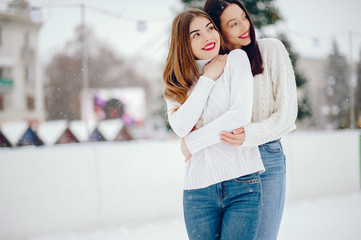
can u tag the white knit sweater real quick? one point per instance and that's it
(224, 104)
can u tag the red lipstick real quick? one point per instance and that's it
(209, 46)
(244, 35)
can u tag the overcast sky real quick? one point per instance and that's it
(310, 24)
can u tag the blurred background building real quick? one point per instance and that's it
(314, 71)
(21, 84)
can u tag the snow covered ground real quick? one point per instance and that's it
(331, 218)
(132, 190)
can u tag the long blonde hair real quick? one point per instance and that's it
(181, 69)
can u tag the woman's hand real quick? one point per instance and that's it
(235, 138)
(185, 151)
(215, 68)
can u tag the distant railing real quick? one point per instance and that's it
(22, 133)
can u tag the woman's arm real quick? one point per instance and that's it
(282, 121)
(187, 115)
(240, 111)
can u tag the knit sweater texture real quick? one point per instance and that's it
(275, 96)
(215, 106)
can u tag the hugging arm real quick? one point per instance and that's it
(187, 115)
(240, 111)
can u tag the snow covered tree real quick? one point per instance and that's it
(263, 13)
(337, 90)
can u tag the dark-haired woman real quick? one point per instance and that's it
(274, 106)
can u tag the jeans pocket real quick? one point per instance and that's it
(251, 179)
(273, 147)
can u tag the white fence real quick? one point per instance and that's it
(80, 186)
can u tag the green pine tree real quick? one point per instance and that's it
(263, 13)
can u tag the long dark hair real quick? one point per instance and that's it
(215, 8)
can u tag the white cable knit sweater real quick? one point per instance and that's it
(224, 104)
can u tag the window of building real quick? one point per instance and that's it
(31, 103)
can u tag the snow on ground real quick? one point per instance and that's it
(331, 218)
(132, 190)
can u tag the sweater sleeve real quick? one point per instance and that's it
(240, 112)
(282, 121)
(187, 115)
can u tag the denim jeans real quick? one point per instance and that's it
(273, 189)
(229, 210)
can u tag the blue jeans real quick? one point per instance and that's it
(229, 210)
(273, 189)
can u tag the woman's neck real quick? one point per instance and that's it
(201, 63)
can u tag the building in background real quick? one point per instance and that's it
(21, 85)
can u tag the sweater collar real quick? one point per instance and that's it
(201, 64)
